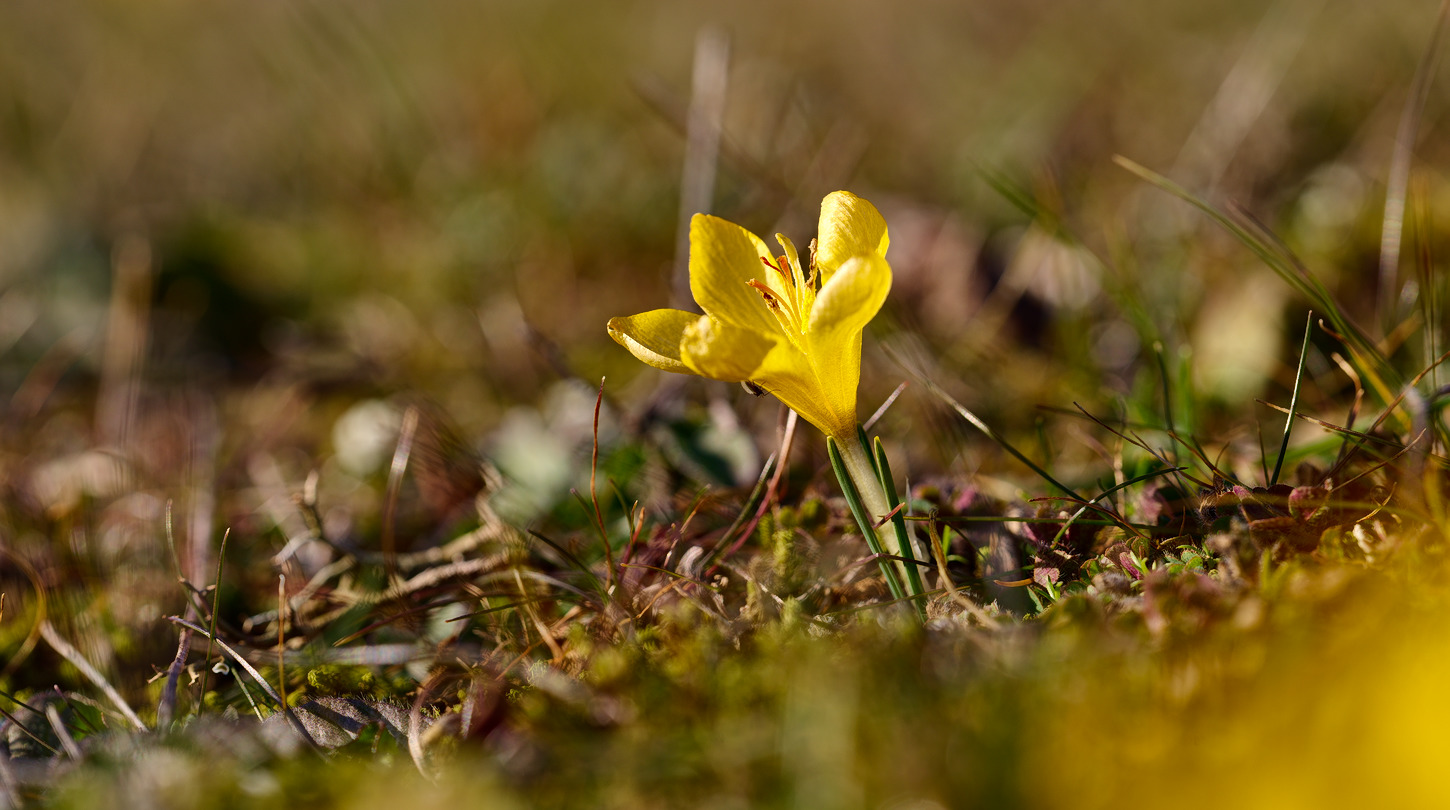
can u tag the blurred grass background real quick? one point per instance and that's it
(237, 240)
(452, 198)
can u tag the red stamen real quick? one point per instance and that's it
(781, 264)
(770, 299)
(779, 267)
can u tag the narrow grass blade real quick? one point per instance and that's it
(578, 565)
(1397, 180)
(594, 496)
(728, 541)
(67, 742)
(15, 723)
(898, 522)
(881, 411)
(79, 661)
(858, 511)
(1426, 269)
(256, 676)
(977, 423)
(1278, 259)
(1293, 400)
(1062, 532)
(1019, 198)
(215, 607)
(1167, 392)
(41, 612)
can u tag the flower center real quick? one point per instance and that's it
(789, 292)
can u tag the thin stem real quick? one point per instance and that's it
(904, 546)
(863, 519)
(1293, 400)
(863, 475)
(868, 486)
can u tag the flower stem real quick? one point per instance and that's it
(863, 475)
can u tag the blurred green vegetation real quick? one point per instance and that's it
(333, 278)
(416, 198)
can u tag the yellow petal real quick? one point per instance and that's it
(793, 379)
(723, 351)
(837, 370)
(849, 227)
(847, 302)
(793, 258)
(655, 337)
(724, 257)
(849, 299)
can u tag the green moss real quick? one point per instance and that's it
(332, 679)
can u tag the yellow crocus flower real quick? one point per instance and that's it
(790, 328)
